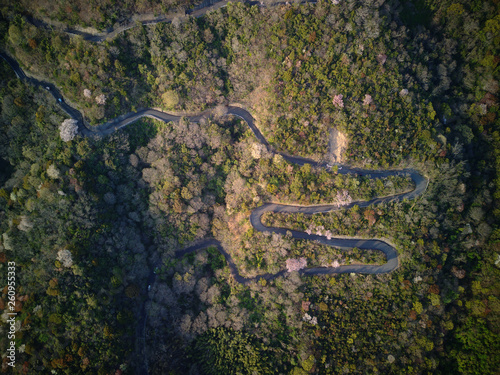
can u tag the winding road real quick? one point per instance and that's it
(390, 252)
(198, 11)
(256, 216)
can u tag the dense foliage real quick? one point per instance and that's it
(99, 14)
(57, 223)
(222, 351)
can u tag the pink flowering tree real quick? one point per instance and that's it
(382, 58)
(296, 264)
(338, 101)
(310, 319)
(101, 99)
(368, 100)
(328, 235)
(342, 198)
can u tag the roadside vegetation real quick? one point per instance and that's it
(100, 14)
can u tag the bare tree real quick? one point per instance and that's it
(220, 111)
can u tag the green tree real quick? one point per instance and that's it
(15, 35)
(170, 99)
(225, 351)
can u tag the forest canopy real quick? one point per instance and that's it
(95, 225)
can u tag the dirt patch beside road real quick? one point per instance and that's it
(338, 145)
